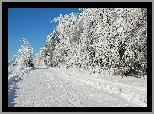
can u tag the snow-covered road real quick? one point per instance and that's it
(56, 87)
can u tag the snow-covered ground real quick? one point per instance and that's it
(57, 87)
(15, 74)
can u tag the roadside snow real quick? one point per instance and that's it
(132, 89)
(15, 74)
(57, 87)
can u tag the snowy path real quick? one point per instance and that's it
(59, 88)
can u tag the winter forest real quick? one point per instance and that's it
(96, 40)
(97, 58)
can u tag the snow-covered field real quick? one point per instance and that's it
(57, 87)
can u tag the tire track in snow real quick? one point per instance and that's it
(50, 87)
(128, 92)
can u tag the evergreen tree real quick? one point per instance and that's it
(25, 55)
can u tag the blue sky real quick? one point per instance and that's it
(32, 24)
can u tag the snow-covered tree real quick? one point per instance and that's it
(42, 58)
(51, 42)
(101, 39)
(25, 55)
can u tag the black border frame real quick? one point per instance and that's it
(6, 5)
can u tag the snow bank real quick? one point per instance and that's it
(130, 88)
(15, 74)
(41, 67)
